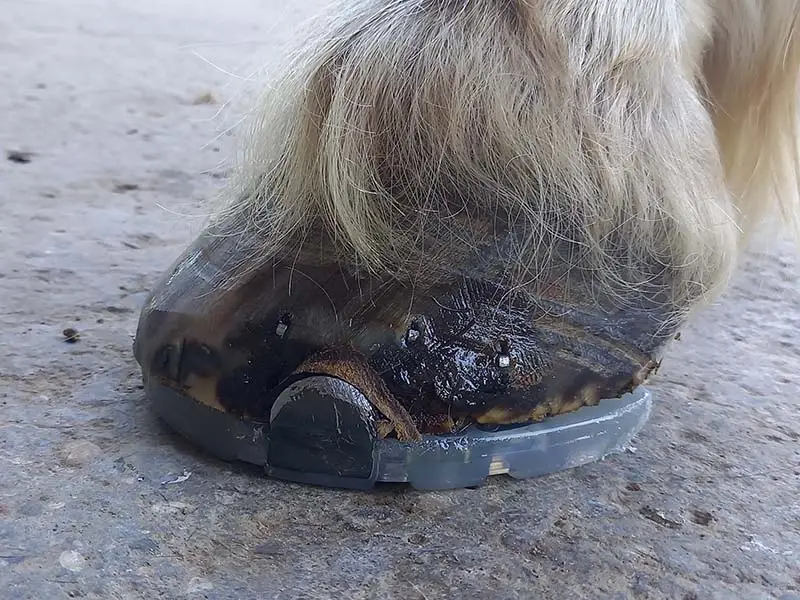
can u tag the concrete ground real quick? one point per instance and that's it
(111, 144)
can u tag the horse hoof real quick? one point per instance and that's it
(336, 379)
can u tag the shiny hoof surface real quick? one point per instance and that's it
(324, 375)
(323, 431)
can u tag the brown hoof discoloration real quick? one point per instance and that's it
(429, 360)
(353, 367)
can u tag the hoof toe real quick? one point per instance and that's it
(323, 431)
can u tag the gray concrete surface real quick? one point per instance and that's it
(99, 500)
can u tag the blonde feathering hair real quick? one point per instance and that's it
(404, 134)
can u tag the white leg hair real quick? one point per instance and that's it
(405, 133)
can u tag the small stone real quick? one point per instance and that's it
(19, 156)
(72, 561)
(71, 335)
(79, 453)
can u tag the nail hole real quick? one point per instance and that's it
(503, 354)
(414, 332)
(283, 325)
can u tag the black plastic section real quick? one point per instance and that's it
(322, 431)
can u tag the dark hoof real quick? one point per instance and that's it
(430, 360)
(324, 368)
